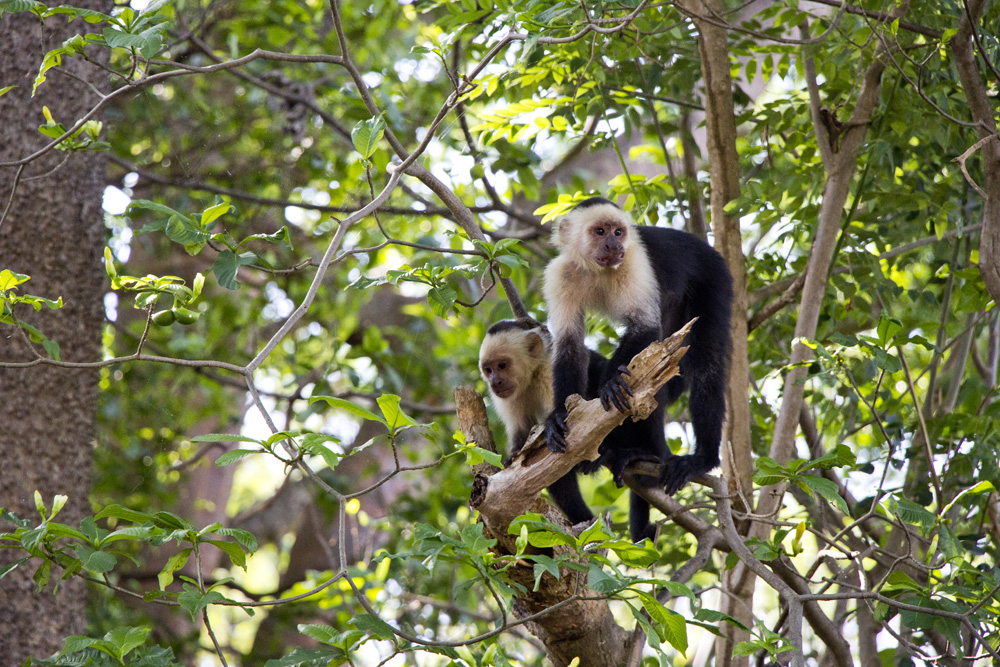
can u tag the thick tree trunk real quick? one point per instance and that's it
(982, 112)
(53, 232)
(737, 461)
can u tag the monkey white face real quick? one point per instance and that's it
(508, 360)
(595, 236)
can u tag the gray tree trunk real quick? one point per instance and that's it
(53, 232)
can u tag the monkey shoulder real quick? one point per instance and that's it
(679, 256)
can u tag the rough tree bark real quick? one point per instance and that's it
(54, 232)
(982, 113)
(737, 460)
(581, 628)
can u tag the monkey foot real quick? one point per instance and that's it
(679, 470)
(640, 535)
(618, 464)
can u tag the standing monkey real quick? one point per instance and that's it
(653, 280)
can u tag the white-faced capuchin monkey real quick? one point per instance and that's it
(653, 280)
(516, 361)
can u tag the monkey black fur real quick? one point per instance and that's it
(653, 280)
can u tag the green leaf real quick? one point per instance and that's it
(51, 348)
(912, 513)
(281, 237)
(600, 581)
(825, 488)
(224, 437)
(544, 564)
(52, 59)
(900, 581)
(442, 300)
(887, 329)
(153, 38)
(315, 443)
(89, 15)
(244, 537)
(342, 404)
(235, 455)
(394, 417)
(949, 545)
(541, 534)
(183, 231)
(373, 625)
(214, 213)
(62, 530)
(308, 657)
(10, 567)
(127, 639)
(174, 563)
(981, 487)
(475, 455)
(324, 634)
(643, 554)
(770, 472)
(233, 550)
(366, 135)
(193, 601)
(9, 279)
(227, 264)
(712, 616)
(841, 456)
(41, 576)
(40, 504)
(670, 624)
(123, 40)
(170, 521)
(157, 208)
(100, 562)
(16, 6)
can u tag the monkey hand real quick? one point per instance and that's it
(555, 431)
(679, 470)
(616, 391)
(590, 467)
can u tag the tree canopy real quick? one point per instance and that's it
(314, 211)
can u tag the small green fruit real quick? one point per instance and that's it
(185, 316)
(163, 318)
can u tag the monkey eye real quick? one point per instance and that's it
(599, 231)
(618, 232)
(501, 366)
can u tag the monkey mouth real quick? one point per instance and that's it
(502, 392)
(610, 261)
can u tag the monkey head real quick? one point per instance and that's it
(511, 354)
(595, 234)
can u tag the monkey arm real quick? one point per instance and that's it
(569, 376)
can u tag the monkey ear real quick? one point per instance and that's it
(536, 346)
(554, 233)
(560, 232)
